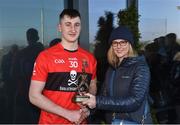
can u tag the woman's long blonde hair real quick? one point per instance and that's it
(114, 60)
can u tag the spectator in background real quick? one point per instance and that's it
(175, 80)
(172, 47)
(7, 66)
(25, 112)
(54, 42)
(160, 55)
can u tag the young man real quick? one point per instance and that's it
(56, 72)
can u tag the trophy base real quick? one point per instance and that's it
(80, 98)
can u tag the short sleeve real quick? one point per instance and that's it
(40, 70)
(94, 64)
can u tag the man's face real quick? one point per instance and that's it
(70, 28)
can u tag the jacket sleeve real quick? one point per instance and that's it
(138, 90)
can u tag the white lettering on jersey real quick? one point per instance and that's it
(59, 61)
(74, 58)
(73, 64)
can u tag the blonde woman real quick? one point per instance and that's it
(124, 96)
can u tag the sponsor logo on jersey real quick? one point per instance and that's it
(73, 59)
(73, 78)
(59, 61)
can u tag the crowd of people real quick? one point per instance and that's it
(40, 83)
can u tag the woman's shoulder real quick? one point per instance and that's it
(134, 61)
(141, 60)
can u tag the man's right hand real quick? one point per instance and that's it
(84, 114)
(74, 115)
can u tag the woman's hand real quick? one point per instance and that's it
(91, 102)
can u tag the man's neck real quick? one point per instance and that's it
(70, 45)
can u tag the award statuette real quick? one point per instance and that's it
(82, 86)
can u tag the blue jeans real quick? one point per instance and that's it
(123, 122)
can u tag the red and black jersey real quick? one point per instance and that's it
(60, 69)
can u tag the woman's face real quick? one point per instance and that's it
(120, 47)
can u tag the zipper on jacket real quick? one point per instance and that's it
(111, 83)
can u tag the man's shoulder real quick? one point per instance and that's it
(87, 53)
(51, 51)
(82, 50)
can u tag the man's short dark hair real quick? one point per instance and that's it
(70, 12)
